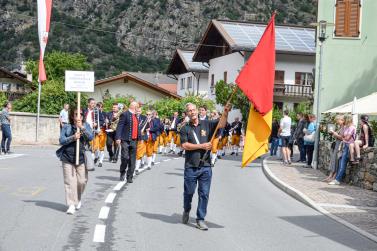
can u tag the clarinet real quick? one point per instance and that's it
(98, 129)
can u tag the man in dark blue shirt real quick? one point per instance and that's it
(195, 138)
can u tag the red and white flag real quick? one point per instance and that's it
(44, 15)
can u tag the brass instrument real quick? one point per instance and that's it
(115, 121)
(182, 124)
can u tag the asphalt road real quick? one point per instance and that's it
(246, 212)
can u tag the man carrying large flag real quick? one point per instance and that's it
(256, 80)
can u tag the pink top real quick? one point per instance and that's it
(351, 130)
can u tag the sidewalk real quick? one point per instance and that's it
(352, 206)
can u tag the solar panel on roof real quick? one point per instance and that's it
(287, 38)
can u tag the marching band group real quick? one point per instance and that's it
(138, 137)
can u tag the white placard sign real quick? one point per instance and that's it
(79, 81)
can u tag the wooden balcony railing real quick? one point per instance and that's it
(304, 91)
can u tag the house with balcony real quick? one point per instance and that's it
(226, 46)
(349, 56)
(192, 77)
(14, 84)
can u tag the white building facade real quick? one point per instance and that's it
(227, 45)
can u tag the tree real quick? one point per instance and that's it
(166, 107)
(53, 95)
(239, 100)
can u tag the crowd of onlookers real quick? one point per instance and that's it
(345, 148)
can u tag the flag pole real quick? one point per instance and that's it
(78, 129)
(38, 111)
(228, 103)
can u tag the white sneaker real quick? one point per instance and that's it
(78, 206)
(334, 182)
(71, 209)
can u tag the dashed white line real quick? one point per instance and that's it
(110, 198)
(104, 213)
(119, 186)
(99, 233)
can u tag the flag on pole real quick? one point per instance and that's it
(44, 15)
(256, 80)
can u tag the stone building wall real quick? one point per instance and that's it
(363, 175)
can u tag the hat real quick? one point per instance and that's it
(364, 118)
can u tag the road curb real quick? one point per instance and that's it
(298, 195)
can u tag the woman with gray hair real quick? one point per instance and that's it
(337, 148)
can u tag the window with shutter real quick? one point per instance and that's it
(347, 18)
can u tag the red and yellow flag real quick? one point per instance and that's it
(256, 80)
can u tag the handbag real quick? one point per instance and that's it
(89, 161)
(310, 137)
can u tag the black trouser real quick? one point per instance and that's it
(111, 146)
(128, 158)
(309, 153)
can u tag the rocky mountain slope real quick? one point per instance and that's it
(132, 35)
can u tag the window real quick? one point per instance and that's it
(182, 83)
(347, 18)
(5, 86)
(189, 82)
(279, 77)
(225, 76)
(19, 87)
(303, 78)
(212, 87)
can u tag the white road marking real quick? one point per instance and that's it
(176, 158)
(110, 198)
(104, 213)
(166, 160)
(99, 233)
(11, 156)
(156, 163)
(119, 186)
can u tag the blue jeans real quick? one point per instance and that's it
(343, 163)
(301, 148)
(7, 138)
(203, 177)
(274, 146)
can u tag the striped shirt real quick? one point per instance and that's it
(4, 117)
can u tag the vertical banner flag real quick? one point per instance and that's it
(44, 15)
(256, 80)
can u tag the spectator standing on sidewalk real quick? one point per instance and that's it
(63, 117)
(337, 148)
(285, 135)
(274, 139)
(5, 128)
(299, 136)
(349, 135)
(75, 176)
(309, 139)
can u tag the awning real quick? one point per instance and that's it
(365, 105)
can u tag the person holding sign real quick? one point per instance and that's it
(75, 176)
(127, 134)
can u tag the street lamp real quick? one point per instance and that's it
(321, 37)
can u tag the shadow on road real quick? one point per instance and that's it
(174, 219)
(112, 178)
(176, 174)
(48, 204)
(317, 224)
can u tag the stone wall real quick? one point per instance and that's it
(363, 175)
(23, 128)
